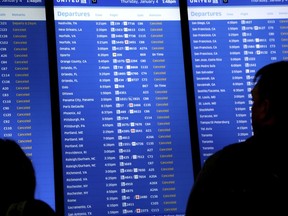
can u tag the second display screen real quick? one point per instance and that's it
(124, 117)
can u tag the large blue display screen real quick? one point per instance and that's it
(25, 88)
(123, 108)
(230, 41)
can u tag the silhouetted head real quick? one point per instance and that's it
(17, 181)
(269, 96)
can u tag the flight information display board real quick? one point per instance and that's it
(123, 107)
(230, 41)
(25, 91)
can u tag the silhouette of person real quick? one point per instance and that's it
(17, 181)
(250, 177)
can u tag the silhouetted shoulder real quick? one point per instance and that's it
(230, 154)
(32, 207)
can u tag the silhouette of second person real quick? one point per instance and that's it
(251, 177)
(18, 183)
